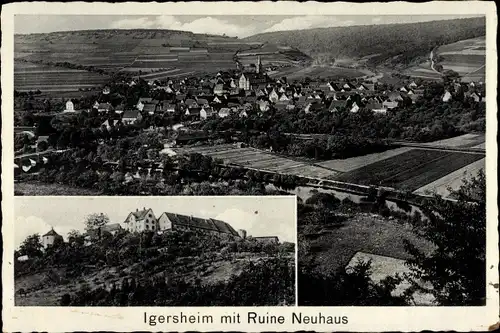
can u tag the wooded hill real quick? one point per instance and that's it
(406, 41)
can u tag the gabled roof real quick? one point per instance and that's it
(104, 106)
(200, 223)
(202, 101)
(149, 107)
(52, 233)
(190, 102)
(194, 111)
(112, 227)
(131, 114)
(145, 100)
(336, 104)
(140, 214)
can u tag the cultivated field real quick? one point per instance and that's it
(353, 163)
(452, 180)
(254, 158)
(423, 71)
(115, 50)
(30, 77)
(466, 57)
(410, 170)
(468, 140)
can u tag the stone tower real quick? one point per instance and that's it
(258, 68)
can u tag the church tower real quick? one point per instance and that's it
(258, 68)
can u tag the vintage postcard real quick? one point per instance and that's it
(249, 166)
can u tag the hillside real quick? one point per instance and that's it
(179, 53)
(176, 268)
(377, 43)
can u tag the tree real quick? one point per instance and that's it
(96, 221)
(352, 287)
(75, 237)
(65, 300)
(31, 246)
(42, 146)
(455, 272)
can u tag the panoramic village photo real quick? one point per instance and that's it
(375, 124)
(155, 251)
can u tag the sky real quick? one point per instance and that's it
(231, 25)
(259, 216)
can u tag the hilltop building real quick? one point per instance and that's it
(268, 239)
(170, 221)
(50, 238)
(141, 220)
(145, 219)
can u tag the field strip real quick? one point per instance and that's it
(353, 163)
(168, 70)
(453, 179)
(475, 70)
(480, 146)
(42, 71)
(465, 52)
(419, 166)
(458, 141)
(55, 85)
(182, 74)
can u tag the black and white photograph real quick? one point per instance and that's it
(377, 123)
(309, 158)
(155, 251)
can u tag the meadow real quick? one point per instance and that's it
(333, 249)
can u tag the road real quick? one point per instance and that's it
(431, 59)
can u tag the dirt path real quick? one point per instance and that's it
(433, 63)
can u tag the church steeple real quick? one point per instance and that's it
(258, 68)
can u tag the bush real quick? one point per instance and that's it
(65, 300)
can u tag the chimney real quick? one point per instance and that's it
(143, 208)
(137, 209)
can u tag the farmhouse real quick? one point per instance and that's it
(70, 107)
(141, 220)
(102, 107)
(206, 112)
(131, 116)
(447, 96)
(50, 238)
